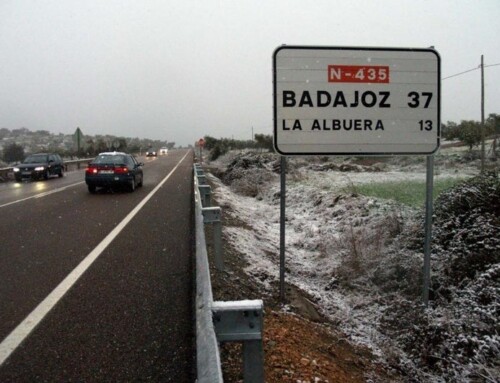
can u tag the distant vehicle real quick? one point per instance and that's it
(151, 152)
(163, 151)
(37, 166)
(114, 169)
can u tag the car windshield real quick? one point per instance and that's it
(113, 159)
(35, 158)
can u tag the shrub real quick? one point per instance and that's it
(457, 338)
(467, 229)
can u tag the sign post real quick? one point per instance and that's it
(357, 101)
(200, 144)
(77, 139)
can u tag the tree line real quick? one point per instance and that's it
(219, 147)
(470, 132)
(22, 141)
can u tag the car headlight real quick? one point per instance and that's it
(39, 169)
(15, 169)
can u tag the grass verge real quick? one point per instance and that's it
(411, 193)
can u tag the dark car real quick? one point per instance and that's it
(37, 166)
(114, 169)
(151, 153)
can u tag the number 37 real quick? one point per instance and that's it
(415, 99)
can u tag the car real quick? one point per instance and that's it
(151, 152)
(113, 170)
(163, 151)
(38, 166)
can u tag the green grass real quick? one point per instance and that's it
(411, 193)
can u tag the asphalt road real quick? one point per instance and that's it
(98, 287)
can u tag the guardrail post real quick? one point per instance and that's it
(219, 257)
(213, 215)
(202, 180)
(243, 321)
(205, 192)
(253, 361)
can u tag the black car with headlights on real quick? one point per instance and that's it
(40, 165)
(114, 169)
(151, 153)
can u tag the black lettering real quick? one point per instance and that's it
(327, 98)
(356, 101)
(297, 125)
(316, 125)
(284, 125)
(288, 98)
(354, 125)
(305, 100)
(385, 97)
(367, 103)
(339, 99)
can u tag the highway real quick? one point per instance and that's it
(98, 287)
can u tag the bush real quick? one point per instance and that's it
(13, 153)
(467, 229)
(218, 150)
(247, 174)
(458, 337)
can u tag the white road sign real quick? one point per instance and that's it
(356, 101)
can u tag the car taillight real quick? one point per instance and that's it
(91, 170)
(121, 170)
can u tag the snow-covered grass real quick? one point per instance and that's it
(348, 251)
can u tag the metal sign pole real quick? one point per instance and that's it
(428, 229)
(282, 229)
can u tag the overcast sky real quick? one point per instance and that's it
(180, 70)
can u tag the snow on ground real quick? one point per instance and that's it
(317, 212)
(334, 235)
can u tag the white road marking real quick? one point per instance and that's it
(21, 332)
(40, 195)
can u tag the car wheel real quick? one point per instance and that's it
(139, 184)
(61, 172)
(91, 189)
(46, 175)
(18, 179)
(132, 185)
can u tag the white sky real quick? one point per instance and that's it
(181, 70)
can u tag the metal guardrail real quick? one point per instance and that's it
(7, 174)
(235, 321)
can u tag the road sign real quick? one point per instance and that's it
(78, 140)
(356, 101)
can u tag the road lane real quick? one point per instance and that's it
(131, 311)
(15, 192)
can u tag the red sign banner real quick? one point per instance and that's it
(358, 73)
